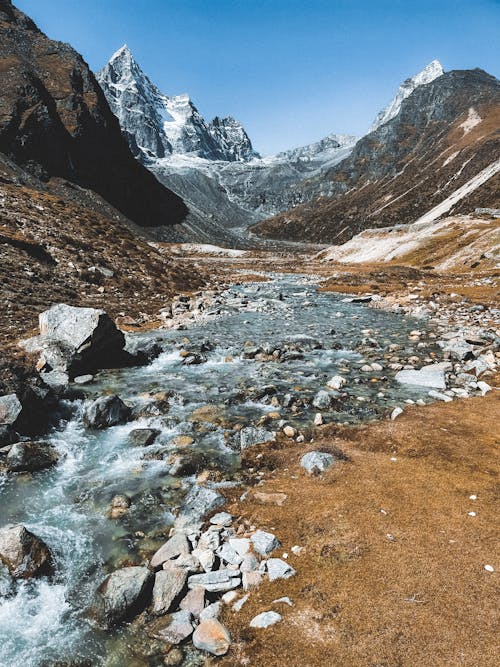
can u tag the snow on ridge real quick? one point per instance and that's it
(431, 72)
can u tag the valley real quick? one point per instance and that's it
(248, 403)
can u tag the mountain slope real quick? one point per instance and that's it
(55, 121)
(446, 132)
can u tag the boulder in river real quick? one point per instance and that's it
(254, 435)
(24, 554)
(10, 409)
(199, 501)
(428, 376)
(143, 437)
(30, 456)
(106, 411)
(77, 340)
(122, 595)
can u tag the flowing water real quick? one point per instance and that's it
(44, 621)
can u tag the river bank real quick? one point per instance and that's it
(271, 349)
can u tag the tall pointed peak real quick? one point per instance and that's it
(123, 53)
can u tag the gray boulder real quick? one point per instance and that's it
(278, 569)
(106, 411)
(176, 546)
(123, 595)
(199, 501)
(167, 586)
(10, 409)
(143, 437)
(316, 462)
(30, 457)
(255, 435)
(218, 581)
(322, 400)
(24, 554)
(77, 340)
(174, 628)
(264, 543)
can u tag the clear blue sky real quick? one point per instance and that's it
(291, 70)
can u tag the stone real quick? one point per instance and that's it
(229, 555)
(278, 569)
(206, 558)
(322, 400)
(253, 435)
(270, 498)
(194, 601)
(458, 349)
(238, 605)
(251, 580)
(176, 546)
(123, 595)
(428, 376)
(240, 544)
(119, 506)
(377, 367)
(142, 437)
(289, 431)
(210, 539)
(88, 338)
(7, 435)
(284, 600)
(174, 658)
(249, 564)
(318, 419)
(440, 397)
(265, 619)
(216, 582)
(212, 636)
(56, 380)
(106, 411)
(396, 413)
(483, 387)
(30, 457)
(211, 611)
(167, 586)
(336, 382)
(264, 543)
(174, 628)
(83, 379)
(10, 409)
(199, 501)
(222, 519)
(24, 554)
(316, 462)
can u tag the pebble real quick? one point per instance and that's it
(396, 412)
(489, 568)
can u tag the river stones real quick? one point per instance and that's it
(30, 457)
(122, 595)
(322, 400)
(265, 619)
(254, 435)
(177, 545)
(199, 501)
(316, 462)
(216, 582)
(167, 586)
(24, 554)
(194, 601)
(336, 382)
(106, 411)
(212, 636)
(143, 437)
(10, 409)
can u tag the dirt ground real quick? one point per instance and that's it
(392, 569)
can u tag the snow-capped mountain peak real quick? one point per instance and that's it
(157, 125)
(432, 71)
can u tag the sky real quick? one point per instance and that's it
(292, 71)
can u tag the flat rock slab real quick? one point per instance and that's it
(212, 636)
(174, 628)
(176, 546)
(428, 376)
(278, 569)
(217, 581)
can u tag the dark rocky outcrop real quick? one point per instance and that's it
(445, 133)
(30, 457)
(106, 411)
(122, 595)
(55, 121)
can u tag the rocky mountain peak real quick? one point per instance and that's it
(157, 125)
(431, 72)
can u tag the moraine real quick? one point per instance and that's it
(263, 348)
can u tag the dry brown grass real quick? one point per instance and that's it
(361, 599)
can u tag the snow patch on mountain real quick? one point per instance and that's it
(471, 121)
(428, 74)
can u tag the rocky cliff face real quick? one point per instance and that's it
(55, 121)
(444, 135)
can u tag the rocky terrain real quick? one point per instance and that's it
(442, 146)
(55, 122)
